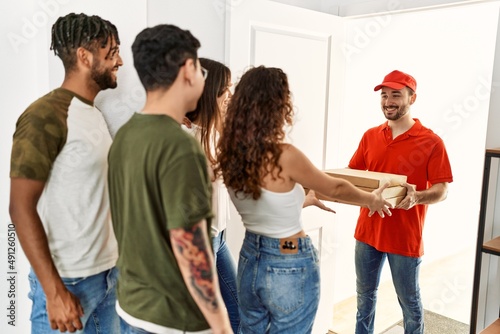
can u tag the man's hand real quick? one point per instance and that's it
(410, 199)
(63, 308)
(64, 312)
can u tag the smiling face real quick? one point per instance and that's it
(106, 62)
(396, 103)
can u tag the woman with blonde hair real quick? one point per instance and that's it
(278, 272)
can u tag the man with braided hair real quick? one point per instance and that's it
(58, 197)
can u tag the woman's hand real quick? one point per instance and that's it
(379, 204)
(311, 199)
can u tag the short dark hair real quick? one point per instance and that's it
(159, 52)
(80, 30)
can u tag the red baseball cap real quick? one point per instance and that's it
(398, 80)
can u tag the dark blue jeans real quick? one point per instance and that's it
(226, 271)
(404, 271)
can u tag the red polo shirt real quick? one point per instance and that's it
(420, 155)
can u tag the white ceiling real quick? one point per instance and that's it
(348, 8)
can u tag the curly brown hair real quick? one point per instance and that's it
(250, 144)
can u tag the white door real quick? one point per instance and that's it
(304, 44)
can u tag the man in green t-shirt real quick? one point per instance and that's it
(160, 197)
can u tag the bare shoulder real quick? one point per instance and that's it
(294, 159)
(286, 147)
(290, 152)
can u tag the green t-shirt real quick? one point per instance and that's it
(158, 180)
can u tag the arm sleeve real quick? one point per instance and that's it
(358, 159)
(37, 140)
(439, 167)
(186, 191)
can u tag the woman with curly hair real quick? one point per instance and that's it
(278, 272)
(205, 123)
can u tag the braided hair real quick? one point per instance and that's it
(80, 30)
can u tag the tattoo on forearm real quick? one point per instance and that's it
(191, 245)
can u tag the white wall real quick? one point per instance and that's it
(19, 64)
(206, 23)
(493, 135)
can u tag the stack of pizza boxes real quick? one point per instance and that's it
(369, 181)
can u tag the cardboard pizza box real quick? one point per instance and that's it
(392, 200)
(389, 192)
(367, 179)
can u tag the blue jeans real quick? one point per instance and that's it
(226, 271)
(404, 271)
(97, 296)
(278, 293)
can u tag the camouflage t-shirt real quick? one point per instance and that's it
(62, 140)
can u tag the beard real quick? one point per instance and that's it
(104, 78)
(400, 112)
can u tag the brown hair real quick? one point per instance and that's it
(250, 144)
(207, 114)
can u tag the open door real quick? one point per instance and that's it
(304, 44)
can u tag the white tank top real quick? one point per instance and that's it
(220, 198)
(274, 215)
